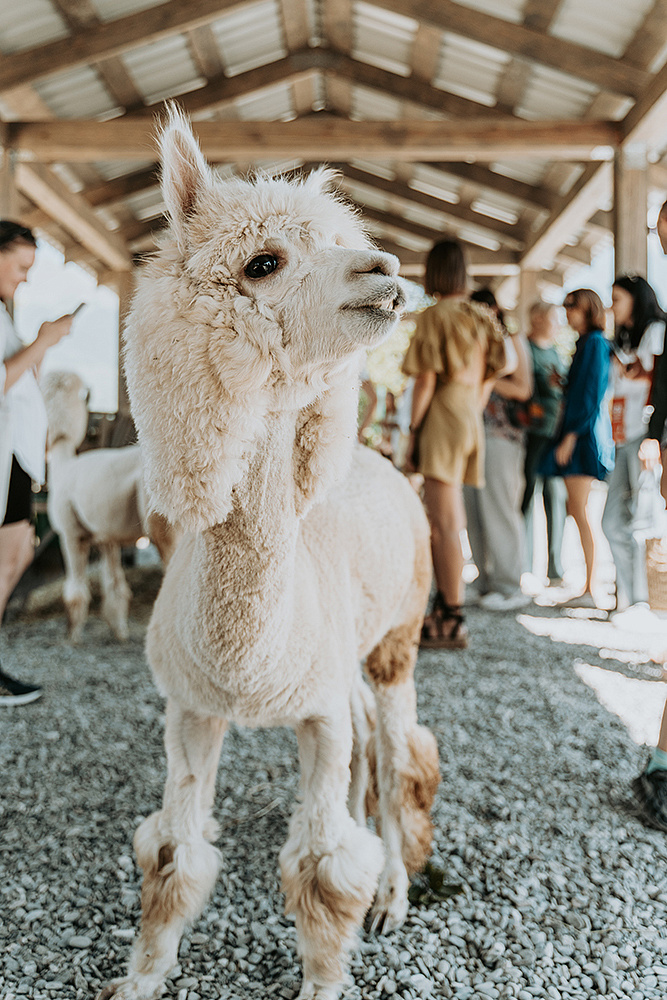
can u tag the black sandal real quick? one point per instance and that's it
(457, 635)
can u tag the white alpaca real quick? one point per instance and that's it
(304, 557)
(96, 498)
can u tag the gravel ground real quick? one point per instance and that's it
(564, 891)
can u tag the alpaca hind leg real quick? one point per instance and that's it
(115, 591)
(76, 592)
(180, 866)
(362, 705)
(329, 864)
(405, 759)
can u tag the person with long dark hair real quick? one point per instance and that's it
(584, 448)
(457, 351)
(639, 337)
(23, 418)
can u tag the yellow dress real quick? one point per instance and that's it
(446, 339)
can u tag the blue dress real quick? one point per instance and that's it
(586, 413)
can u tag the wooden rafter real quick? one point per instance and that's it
(528, 43)
(327, 138)
(111, 38)
(71, 212)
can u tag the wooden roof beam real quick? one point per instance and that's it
(110, 38)
(521, 40)
(73, 213)
(313, 138)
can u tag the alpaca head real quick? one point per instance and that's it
(66, 400)
(261, 299)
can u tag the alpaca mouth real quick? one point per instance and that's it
(391, 304)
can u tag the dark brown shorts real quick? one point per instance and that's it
(19, 498)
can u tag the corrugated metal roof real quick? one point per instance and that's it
(78, 93)
(163, 68)
(552, 94)
(31, 22)
(470, 69)
(508, 10)
(600, 25)
(383, 38)
(109, 10)
(250, 37)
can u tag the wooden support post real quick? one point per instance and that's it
(630, 207)
(125, 288)
(528, 293)
(9, 195)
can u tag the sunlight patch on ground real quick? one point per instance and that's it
(638, 704)
(580, 630)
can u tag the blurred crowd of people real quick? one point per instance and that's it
(501, 420)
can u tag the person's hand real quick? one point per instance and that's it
(411, 454)
(52, 332)
(635, 370)
(649, 453)
(563, 453)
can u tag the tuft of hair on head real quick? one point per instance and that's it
(324, 180)
(186, 176)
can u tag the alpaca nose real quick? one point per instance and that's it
(377, 262)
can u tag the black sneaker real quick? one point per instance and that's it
(650, 791)
(15, 692)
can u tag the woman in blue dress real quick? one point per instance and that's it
(584, 447)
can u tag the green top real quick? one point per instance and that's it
(544, 406)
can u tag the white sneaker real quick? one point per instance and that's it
(504, 602)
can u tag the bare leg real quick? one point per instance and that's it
(330, 865)
(578, 491)
(116, 599)
(16, 554)
(406, 771)
(444, 506)
(180, 866)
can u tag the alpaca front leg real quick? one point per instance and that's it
(115, 591)
(76, 593)
(180, 866)
(404, 758)
(329, 864)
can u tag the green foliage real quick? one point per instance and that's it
(428, 886)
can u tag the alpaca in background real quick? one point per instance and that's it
(304, 555)
(96, 498)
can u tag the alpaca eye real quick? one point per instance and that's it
(261, 266)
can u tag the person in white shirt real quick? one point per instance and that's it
(22, 430)
(638, 340)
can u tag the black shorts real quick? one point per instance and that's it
(19, 498)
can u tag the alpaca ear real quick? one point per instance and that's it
(325, 435)
(185, 173)
(324, 180)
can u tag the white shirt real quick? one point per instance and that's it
(630, 395)
(24, 406)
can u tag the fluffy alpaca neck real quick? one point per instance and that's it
(62, 449)
(246, 564)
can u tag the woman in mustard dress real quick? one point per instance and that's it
(456, 354)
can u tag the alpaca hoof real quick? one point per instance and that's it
(390, 906)
(315, 991)
(131, 988)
